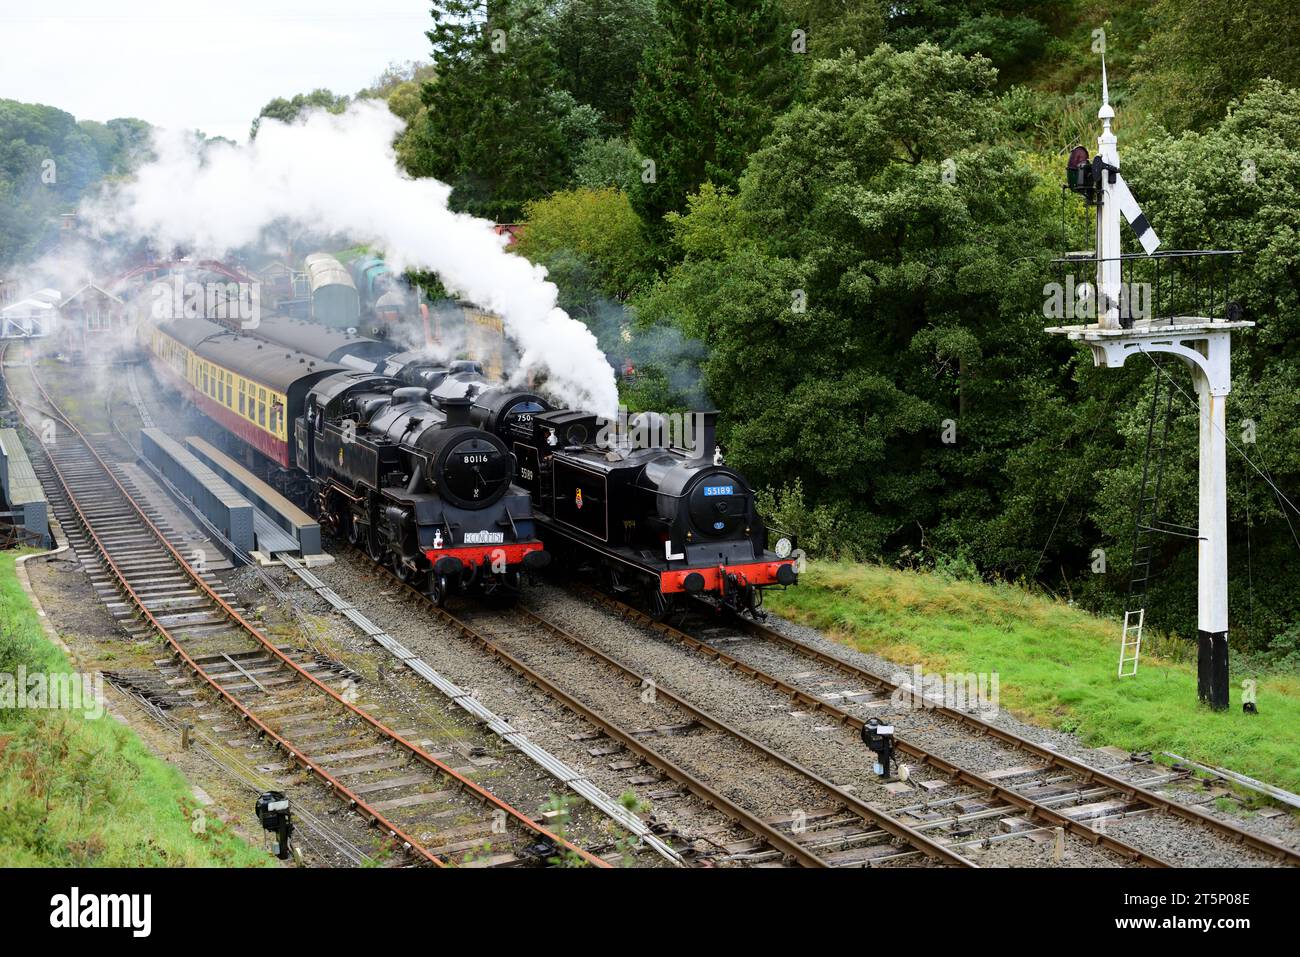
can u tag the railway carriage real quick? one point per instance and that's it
(244, 385)
(333, 345)
(333, 294)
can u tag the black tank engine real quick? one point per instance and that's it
(417, 484)
(665, 519)
(406, 476)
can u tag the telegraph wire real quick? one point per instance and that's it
(1237, 448)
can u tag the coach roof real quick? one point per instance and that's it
(265, 363)
(318, 340)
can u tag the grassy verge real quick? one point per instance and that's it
(1055, 665)
(77, 791)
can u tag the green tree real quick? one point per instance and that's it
(608, 162)
(1203, 55)
(599, 44)
(497, 124)
(399, 86)
(712, 80)
(866, 288)
(596, 227)
(48, 160)
(289, 110)
(1011, 33)
(832, 26)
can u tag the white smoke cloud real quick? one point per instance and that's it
(339, 174)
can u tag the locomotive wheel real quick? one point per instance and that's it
(658, 605)
(438, 589)
(353, 530)
(406, 574)
(374, 547)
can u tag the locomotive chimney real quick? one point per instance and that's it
(705, 434)
(456, 410)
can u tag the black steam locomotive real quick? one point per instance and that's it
(651, 517)
(412, 481)
(664, 520)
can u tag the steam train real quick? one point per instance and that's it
(415, 483)
(660, 520)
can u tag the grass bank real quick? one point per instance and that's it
(79, 791)
(1055, 664)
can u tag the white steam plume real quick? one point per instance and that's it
(339, 174)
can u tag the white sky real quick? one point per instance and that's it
(198, 64)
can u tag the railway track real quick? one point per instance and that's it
(570, 778)
(1044, 791)
(800, 813)
(824, 826)
(433, 813)
(1056, 792)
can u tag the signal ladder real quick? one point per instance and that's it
(1146, 525)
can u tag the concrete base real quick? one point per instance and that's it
(309, 561)
(1212, 669)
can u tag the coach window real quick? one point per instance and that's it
(241, 398)
(261, 407)
(230, 398)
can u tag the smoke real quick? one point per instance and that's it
(339, 173)
(659, 351)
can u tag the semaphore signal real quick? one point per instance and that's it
(1195, 327)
